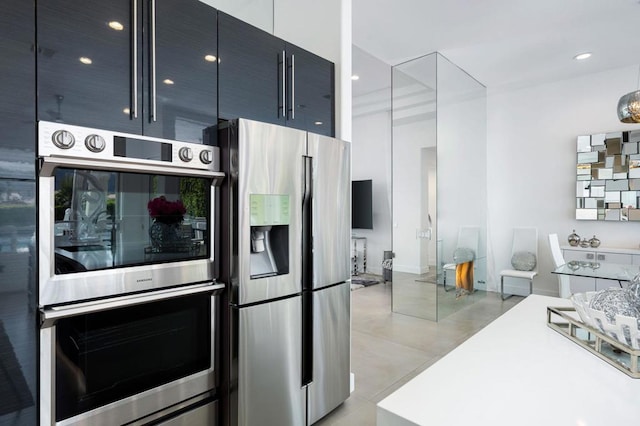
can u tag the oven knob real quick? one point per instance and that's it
(185, 154)
(63, 139)
(205, 157)
(94, 143)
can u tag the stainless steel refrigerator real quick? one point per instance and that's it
(287, 200)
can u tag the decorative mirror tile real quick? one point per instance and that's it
(608, 176)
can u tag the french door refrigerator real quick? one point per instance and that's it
(287, 203)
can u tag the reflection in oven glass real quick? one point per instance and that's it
(106, 356)
(107, 219)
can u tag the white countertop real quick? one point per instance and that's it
(516, 371)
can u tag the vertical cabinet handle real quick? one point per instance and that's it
(134, 55)
(293, 86)
(154, 91)
(284, 83)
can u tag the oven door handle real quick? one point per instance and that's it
(49, 316)
(49, 164)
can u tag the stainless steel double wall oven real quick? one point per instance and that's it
(127, 278)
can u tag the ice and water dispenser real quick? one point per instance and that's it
(270, 216)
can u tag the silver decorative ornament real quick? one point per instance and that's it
(629, 107)
(574, 239)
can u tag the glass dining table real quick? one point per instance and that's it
(607, 271)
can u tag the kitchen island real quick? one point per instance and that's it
(516, 371)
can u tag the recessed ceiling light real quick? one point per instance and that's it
(582, 56)
(210, 58)
(85, 60)
(167, 81)
(355, 77)
(115, 25)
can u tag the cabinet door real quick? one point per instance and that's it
(85, 63)
(18, 336)
(620, 258)
(569, 255)
(250, 72)
(310, 104)
(17, 91)
(181, 79)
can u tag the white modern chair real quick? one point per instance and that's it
(524, 240)
(564, 284)
(468, 237)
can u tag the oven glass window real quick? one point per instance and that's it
(107, 356)
(107, 219)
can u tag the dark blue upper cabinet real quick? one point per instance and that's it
(128, 65)
(311, 104)
(88, 55)
(17, 90)
(186, 80)
(251, 72)
(264, 78)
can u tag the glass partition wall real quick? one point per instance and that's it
(439, 188)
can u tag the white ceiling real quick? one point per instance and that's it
(504, 44)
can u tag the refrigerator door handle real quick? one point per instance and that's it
(307, 338)
(307, 272)
(307, 224)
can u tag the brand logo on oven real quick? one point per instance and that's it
(142, 280)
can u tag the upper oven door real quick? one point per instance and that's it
(109, 228)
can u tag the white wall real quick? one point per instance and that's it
(531, 159)
(258, 13)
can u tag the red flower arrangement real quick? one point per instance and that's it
(165, 211)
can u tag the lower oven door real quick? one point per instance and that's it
(117, 361)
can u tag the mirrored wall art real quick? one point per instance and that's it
(608, 176)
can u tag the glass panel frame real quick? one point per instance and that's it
(420, 124)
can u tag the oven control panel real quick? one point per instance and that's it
(65, 140)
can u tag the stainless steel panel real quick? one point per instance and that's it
(269, 162)
(331, 209)
(331, 350)
(129, 409)
(202, 415)
(111, 282)
(106, 159)
(66, 311)
(270, 364)
(47, 376)
(168, 414)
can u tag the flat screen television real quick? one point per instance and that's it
(361, 204)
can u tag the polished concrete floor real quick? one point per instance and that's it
(389, 349)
